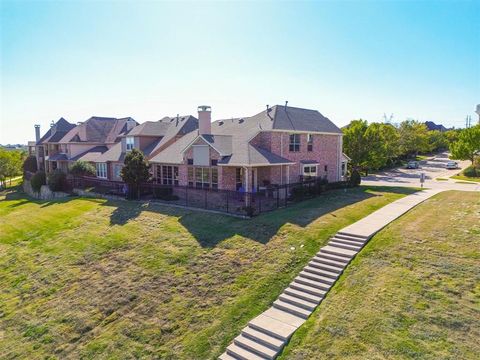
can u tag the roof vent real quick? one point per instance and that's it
(220, 123)
(240, 121)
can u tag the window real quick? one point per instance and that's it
(101, 170)
(116, 171)
(213, 162)
(202, 177)
(326, 168)
(130, 141)
(343, 168)
(294, 143)
(168, 175)
(238, 178)
(201, 155)
(309, 142)
(309, 171)
(190, 161)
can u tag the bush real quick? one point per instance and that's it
(355, 178)
(57, 180)
(30, 164)
(82, 168)
(37, 181)
(164, 193)
(249, 210)
(471, 172)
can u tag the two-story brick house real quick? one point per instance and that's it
(65, 143)
(277, 146)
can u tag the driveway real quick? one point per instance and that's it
(432, 168)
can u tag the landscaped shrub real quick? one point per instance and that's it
(30, 164)
(37, 181)
(82, 168)
(297, 192)
(355, 178)
(471, 172)
(164, 193)
(57, 180)
(249, 210)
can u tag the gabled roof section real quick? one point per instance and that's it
(179, 126)
(173, 154)
(251, 155)
(91, 155)
(150, 128)
(221, 143)
(99, 130)
(56, 131)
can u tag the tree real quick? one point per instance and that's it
(382, 140)
(437, 140)
(355, 143)
(135, 172)
(38, 180)
(468, 145)
(10, 165)
(57, 180)
(30, 164)
(82, 168)
(413, 137)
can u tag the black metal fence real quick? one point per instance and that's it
(232, 202)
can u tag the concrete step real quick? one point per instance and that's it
(345, 253)
(240, 353)
(352, 235)
(272, 327)
(347, 237)
(305, 304)
(263, 338)
(226, 356)
(312, 283)
(308, 289)
(319, 278)
(292, 309)
(322, 259)
(344, 246)
(334, 257)
(322, 272)
(303, 295)
(255, 347)
(325, 266)
(348, 242)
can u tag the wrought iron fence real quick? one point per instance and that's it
(232, 202)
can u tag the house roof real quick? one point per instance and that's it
(98, 130)
(179, 126)
(91, 155)
(432, 126)
(112, 154)
(58, 157)
(150, 128)
(56, 131)
(173, 154)
(221, 143)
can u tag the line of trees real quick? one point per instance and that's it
(378, 145)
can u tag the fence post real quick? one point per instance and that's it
(259, 203)
(205, 198)
(228, 195)
(186, 196)
(278, 197)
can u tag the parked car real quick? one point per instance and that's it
(413, 165)
(452, 165)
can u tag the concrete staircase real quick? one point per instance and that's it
(266, 335)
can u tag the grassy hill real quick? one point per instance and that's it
(86, 278)
(412, 293)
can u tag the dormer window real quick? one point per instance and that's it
(130, 141)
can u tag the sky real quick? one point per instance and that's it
(147, 60)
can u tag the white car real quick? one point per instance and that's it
(451, 165)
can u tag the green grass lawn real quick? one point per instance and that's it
(465, 178)
(412, 293)
(97, 279)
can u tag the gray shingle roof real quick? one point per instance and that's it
(97, 130)
(150, 128)
(179, 126)
(221, 143)
(91, 155)
(56, 132)
(173, 154)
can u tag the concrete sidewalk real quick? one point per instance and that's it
(266, 335)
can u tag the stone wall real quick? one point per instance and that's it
(45, 192)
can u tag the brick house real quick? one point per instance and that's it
(65, 143)
(277, 146)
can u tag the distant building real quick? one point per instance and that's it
(432, 126)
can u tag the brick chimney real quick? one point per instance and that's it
(37, 133)
(204, 119)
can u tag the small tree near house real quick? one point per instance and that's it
(82, 168)
(135, 172)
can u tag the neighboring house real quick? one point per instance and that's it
(65, 143)
(150, 138)
(431, 126)
(277, 146)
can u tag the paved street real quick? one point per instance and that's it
(433, 168)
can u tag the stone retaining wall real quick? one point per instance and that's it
(45, 192)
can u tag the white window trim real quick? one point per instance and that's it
(101, 170)
(309, 166)
(127, 143)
